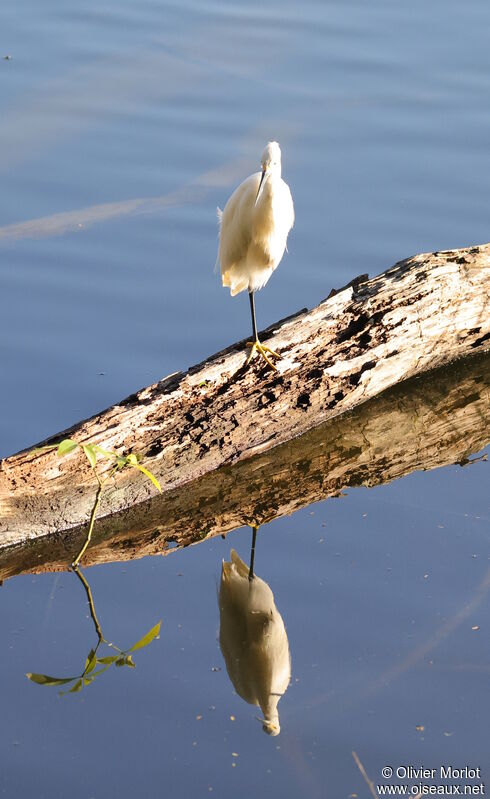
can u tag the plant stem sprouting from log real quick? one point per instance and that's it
(91, 451)
(91, 523)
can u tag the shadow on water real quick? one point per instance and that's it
(439, 419)
(253, 638)
(96, 663)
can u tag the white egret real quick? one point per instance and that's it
(254, 227)
(253, 639)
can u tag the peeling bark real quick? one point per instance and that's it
(421, 314)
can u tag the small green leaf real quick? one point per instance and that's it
(76, 688)
(149, 475)
(120, 661)
(91, 662)
(43, 679)
(99, 671)
(147, 639)
(66, 446)
(108, 660)
(90, 453)
(132, 459)
(106, 452)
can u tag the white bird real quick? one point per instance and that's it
(254, 228)
(253, 640)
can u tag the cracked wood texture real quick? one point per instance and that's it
(421, 314)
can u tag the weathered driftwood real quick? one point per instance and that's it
(434, 420)
(420, 314)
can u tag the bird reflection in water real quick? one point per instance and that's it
(253, 638)
(95, 663)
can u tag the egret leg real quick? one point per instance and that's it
(255, 345)
(251, 297)
(252, 553)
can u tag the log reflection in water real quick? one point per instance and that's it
(439, 419)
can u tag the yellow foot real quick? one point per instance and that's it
(256, 346)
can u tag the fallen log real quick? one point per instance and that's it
(421, 314)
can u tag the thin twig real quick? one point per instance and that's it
(369, 782)
(361, 768)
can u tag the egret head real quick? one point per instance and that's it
(271, 165)
(271, 157)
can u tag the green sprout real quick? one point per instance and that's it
(94, 664)
(119, 462)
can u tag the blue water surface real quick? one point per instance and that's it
(123, 126)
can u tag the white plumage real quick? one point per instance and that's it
(254, 227)
(253, 640)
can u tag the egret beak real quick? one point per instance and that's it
(263, 180)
